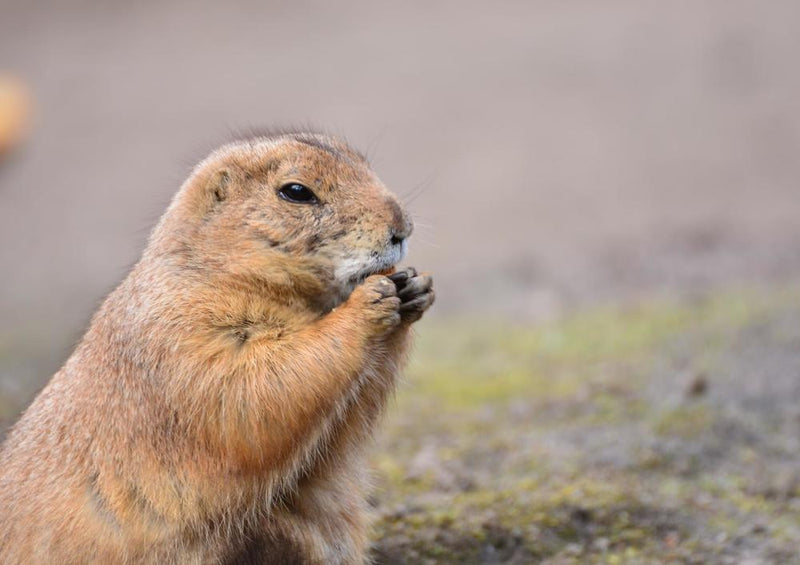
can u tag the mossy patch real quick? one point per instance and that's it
(527, 523)
(686, 421)
(467, 363)
(585, 441)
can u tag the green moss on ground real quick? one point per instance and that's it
(466, 363)
(581, 441)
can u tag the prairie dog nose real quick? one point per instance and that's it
(401, 225)
(399, 233)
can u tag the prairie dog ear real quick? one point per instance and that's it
(217, 185)
(208, 191)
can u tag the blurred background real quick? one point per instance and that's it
(602, 179)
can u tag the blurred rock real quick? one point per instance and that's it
(15, 109)
(698, 385)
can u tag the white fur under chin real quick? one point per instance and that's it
(357, 265)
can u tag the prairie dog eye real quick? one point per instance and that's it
(298, 193)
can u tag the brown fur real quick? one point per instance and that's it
(217, 409)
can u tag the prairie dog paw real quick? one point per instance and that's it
(377, 298)
(415, 292)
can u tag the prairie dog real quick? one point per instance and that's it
(217, 408)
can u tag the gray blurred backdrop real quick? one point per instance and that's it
(554, 154)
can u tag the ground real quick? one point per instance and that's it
(654, 433)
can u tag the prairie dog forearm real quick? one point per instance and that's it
(281, 390)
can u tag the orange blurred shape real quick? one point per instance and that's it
(15, 107)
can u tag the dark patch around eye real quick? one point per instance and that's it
(297, 193)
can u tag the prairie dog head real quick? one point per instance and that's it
(293, 207)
